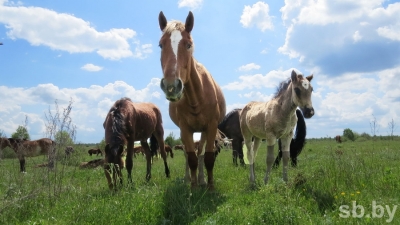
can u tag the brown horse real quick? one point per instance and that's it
(179, 147)
(276, 119)
(338, 139)
(96, 151)
(138, 150)
(196, 101)
(168, 150)
(127, 122)
(25, 148)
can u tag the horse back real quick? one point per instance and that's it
(143, 119)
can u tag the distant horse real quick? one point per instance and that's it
(168, 150)
(230, 126)
(138, 150)
(127, 122)
(338, 139)
(96, 151)
(25, 148)
(69, 150)
(179, 147)
(197, 103)
(276, 119)
(297, 143)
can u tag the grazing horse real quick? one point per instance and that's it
(297, 143)
(69, 150)
(127, 122)
(338, 139)
(25, 148)
(179, 147)
(230, 126)
(168, 150)
(96, 151)
(138, 150)
(276, 119)
(197, 103)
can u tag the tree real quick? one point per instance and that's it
(348, 133)
(392, 128)
(374, 126)
(63, 138)
(171, 141)
(21, 133)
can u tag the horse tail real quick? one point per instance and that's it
(153, 145)
(299, 140)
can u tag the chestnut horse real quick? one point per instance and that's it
(338, 139)
(25, 148)
(127, 122)
(276, 119)
(197, 103)
(96, 151)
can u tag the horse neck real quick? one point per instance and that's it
(193, 87)
(286, 101)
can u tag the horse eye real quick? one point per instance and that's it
(188, 46)
(297, 91)
(160, 45)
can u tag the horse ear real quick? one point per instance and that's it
(309, 78)
(294, 76)
(162, 21)
(189, 22)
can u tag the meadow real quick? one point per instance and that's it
(348, 183)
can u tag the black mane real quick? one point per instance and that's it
(282, 87)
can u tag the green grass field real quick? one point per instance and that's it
(348, 183)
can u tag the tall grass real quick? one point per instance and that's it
(329, 175)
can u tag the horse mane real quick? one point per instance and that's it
(282, 87)
(174, 25)
(118, 123)
(228, 116)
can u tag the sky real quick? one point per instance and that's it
(92, 53)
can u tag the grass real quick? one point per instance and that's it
(329, 175)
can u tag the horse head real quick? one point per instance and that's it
(301, 93)
(176, 53)
(114, 164)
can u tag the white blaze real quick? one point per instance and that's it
(305, 84)
(175, 39)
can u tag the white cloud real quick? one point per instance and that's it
(66, 32)
(356, 36)
(193, 4)
(257, 15)
(91, 68)
(250, 66)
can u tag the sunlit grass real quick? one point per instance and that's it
(324, 180)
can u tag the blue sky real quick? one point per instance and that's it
(95, 52)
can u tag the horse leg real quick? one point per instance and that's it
(234, 156)
(192, 160)
(279, 157)
(147, 152)
(159, 136)
(129, 161)
(200, 155)
(250, 157)
(209, 157)
(285, 155)
(187, 175)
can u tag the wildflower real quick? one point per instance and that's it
(358, 192)
(343, 193)
(352, 194)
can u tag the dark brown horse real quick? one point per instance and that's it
(96, 151)
(127, 122)
(197, 103)
(26, 148)
(169, 151)
(179, 147)
(338, 139)
(69, 150)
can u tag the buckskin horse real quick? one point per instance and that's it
(127, 122)
(197, 103)
(25, 148)
(276, 119)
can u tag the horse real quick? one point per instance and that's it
(96, 151)
(25, 148)
(179, 147)
(296, 144)
(230, 126)
(196, 102)
(338, 139)
(276, 119)
(127, 122)
(69, 150)
(168, 150)
(138, 150)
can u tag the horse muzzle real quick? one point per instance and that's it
(308, 112)
(173, 90)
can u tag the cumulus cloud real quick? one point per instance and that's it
(91, 68)
(250, 66)
(344, 36)
(66, 32)
(257, 15)
(193, 4)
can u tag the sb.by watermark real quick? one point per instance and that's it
(358, 211)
